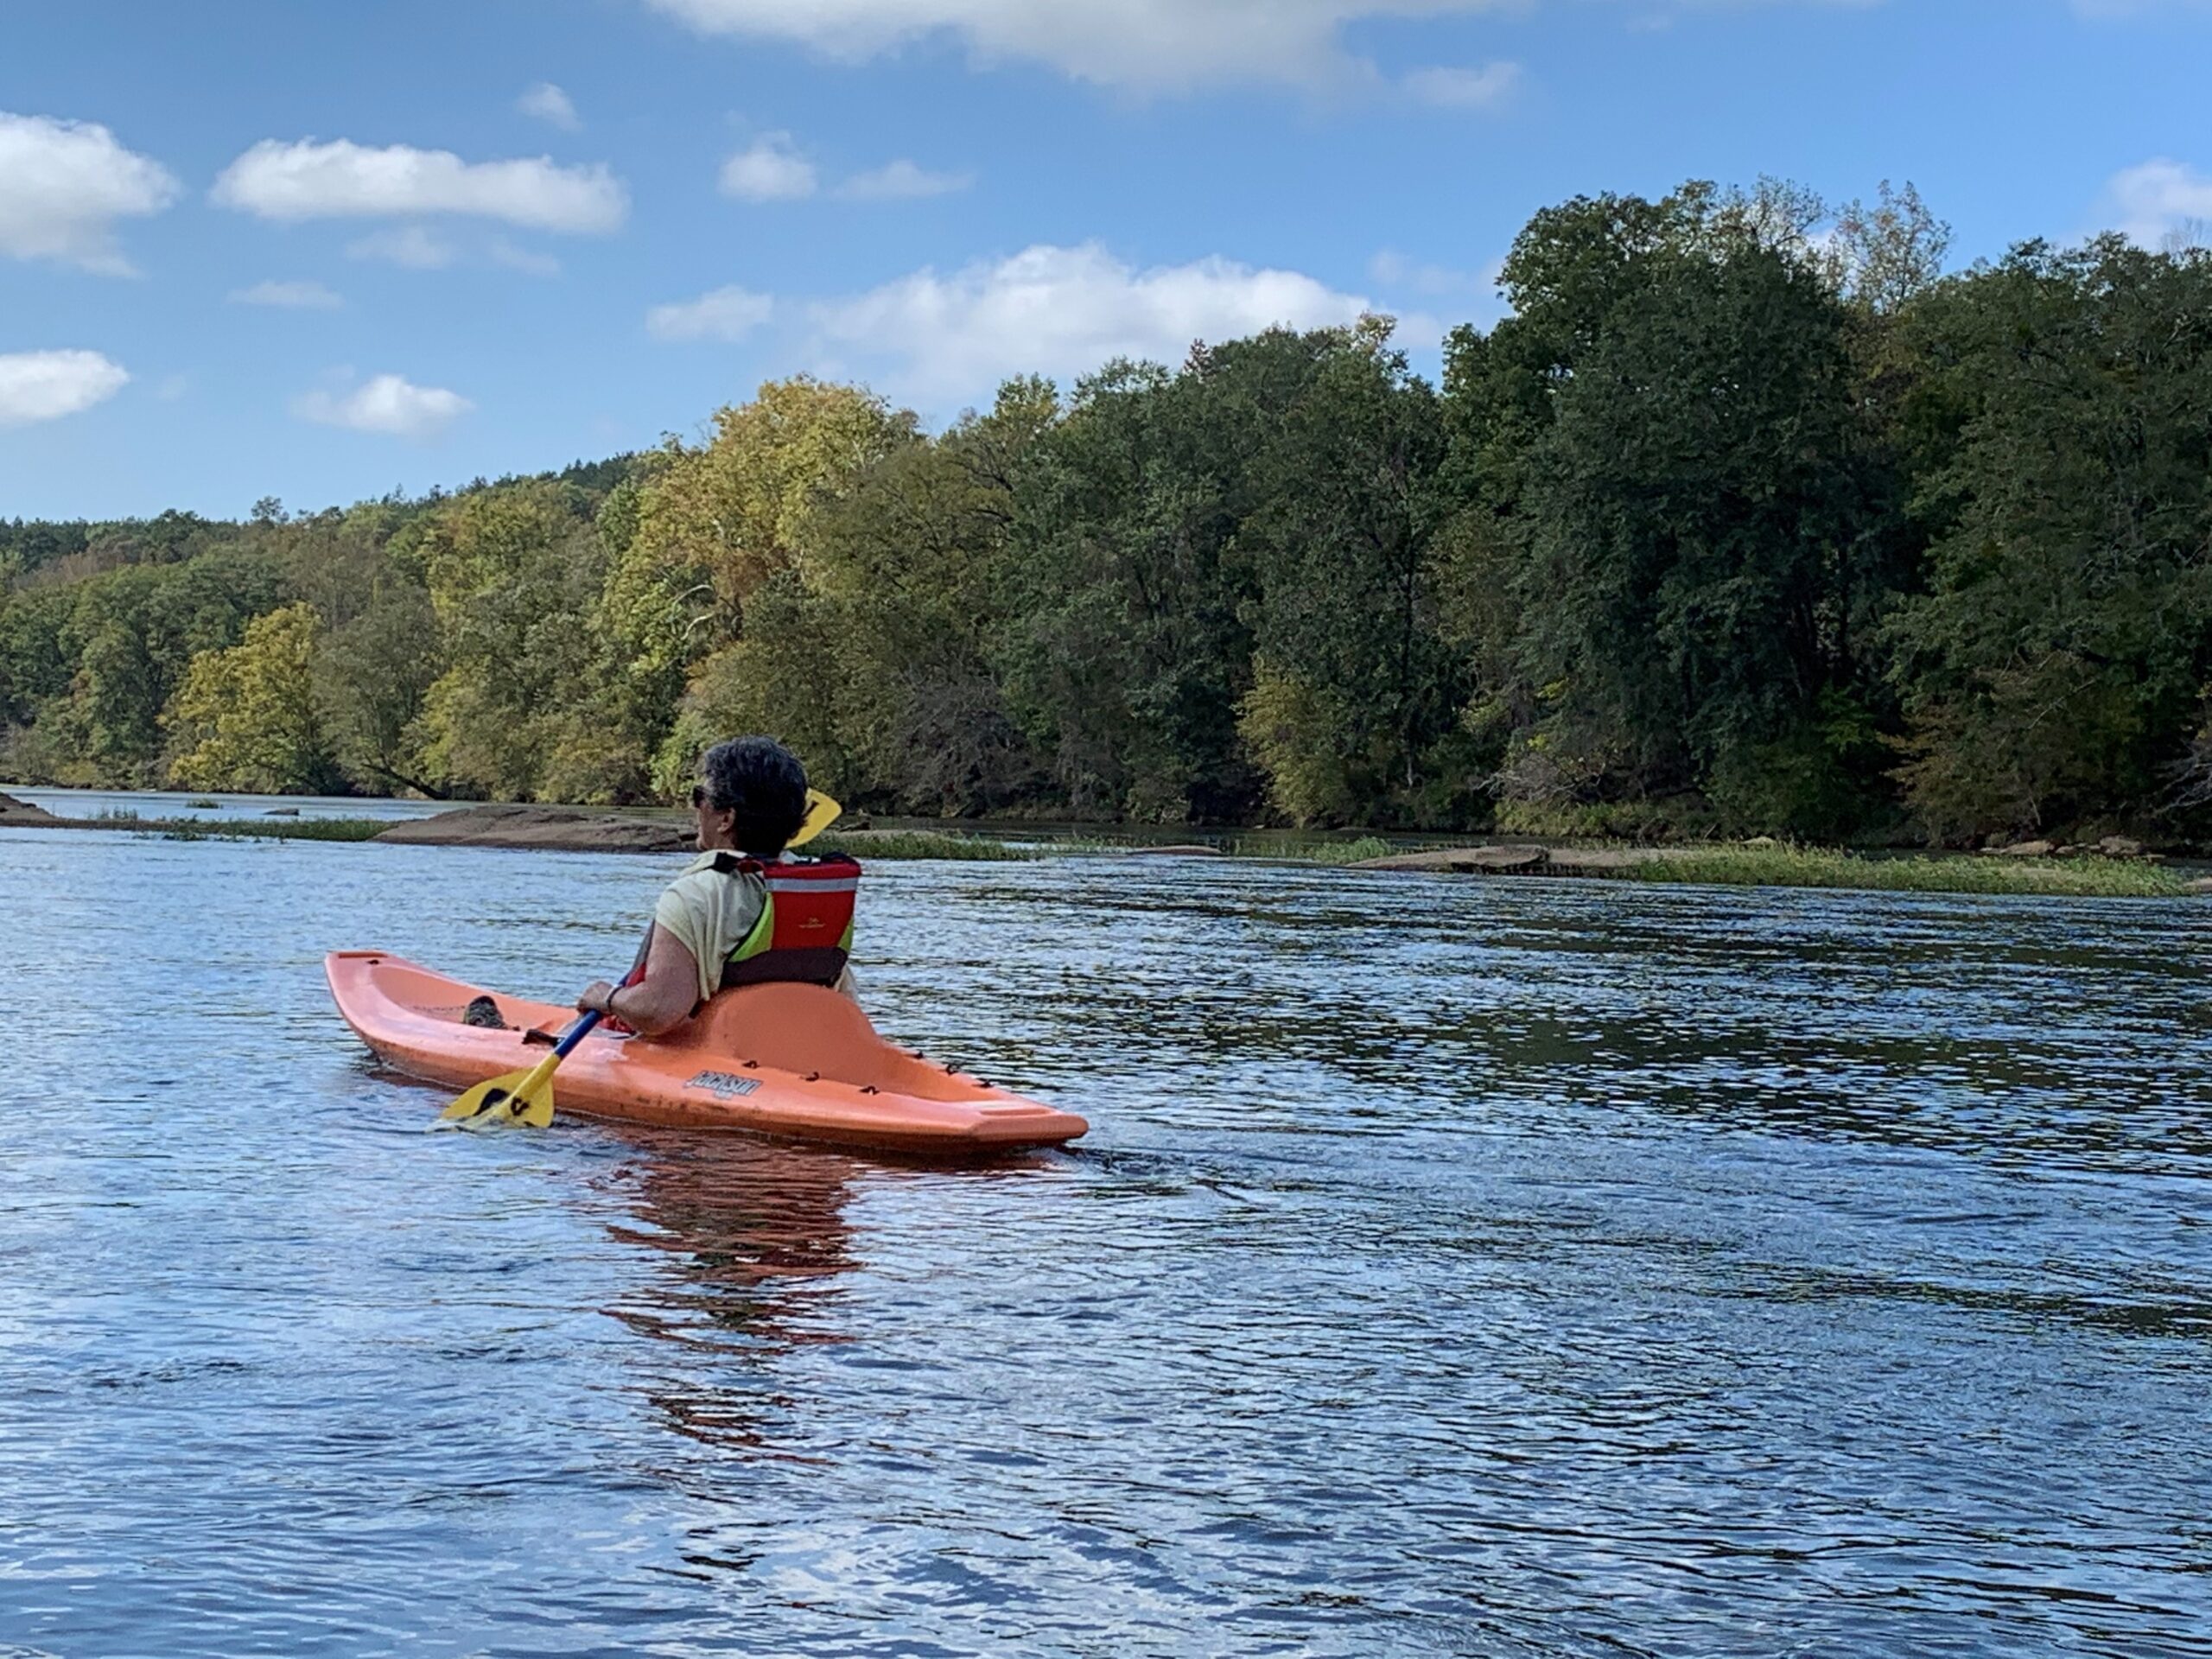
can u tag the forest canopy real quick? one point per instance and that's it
(1747, 517)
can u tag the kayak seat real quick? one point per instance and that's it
(801, 1028)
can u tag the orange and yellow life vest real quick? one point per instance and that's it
(806, 929)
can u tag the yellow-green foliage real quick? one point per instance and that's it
(511, 574)
(244, 718)
(720, 574)
(737, 509)
(1291, 725)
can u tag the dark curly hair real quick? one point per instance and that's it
(763, 782)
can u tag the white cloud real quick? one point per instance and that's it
(1462, 296)
(902, 181)
(1171, 44)
(546, 101)
(1061, 311)
(46, 385)
(386, 404)
(1464, 89)
(500, 251)
(411, 246)
(417, 247)
(725, 313)
(348, 180)
(289, 296)
(63, 184)
(1391, 269)
(1148, 45)
(771, 169)
(2159, 200)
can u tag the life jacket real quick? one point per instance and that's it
(806, 929)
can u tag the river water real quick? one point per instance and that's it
(1453, 1268)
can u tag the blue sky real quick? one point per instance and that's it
(259, 246)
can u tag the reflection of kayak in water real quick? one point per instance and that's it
(783, 1059)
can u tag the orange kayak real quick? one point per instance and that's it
(796, 1061)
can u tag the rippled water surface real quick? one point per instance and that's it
(1453, 1269)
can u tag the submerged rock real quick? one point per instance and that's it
(545, 828)
(1470, 861)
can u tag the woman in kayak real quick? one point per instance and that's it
(742, 912)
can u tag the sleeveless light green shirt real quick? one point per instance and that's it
(710, 914)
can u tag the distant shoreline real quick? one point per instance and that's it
(1760, 863)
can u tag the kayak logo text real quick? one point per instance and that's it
(722, 1083)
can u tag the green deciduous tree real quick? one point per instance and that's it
(712, 525)
(128, 634)
(513, 574)
(246, 718)
(373, 674)
(1354, 681)
(2057, 669)
(1132, 583)
(1668, 434)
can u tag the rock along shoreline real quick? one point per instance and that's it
(2037, 868)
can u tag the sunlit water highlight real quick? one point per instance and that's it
(1453, 1268)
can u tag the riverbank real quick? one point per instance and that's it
(529, 828)
(1771, 864)
(2034, 871)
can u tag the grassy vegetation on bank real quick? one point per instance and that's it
(245, 828)
(1808, 866)
(873, 844)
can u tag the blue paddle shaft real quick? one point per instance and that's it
(575, 1034)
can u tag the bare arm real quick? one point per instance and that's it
(661, 1001)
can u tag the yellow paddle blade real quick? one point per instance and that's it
(524, 1098)
(821, 813)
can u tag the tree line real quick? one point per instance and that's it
(1747, 517)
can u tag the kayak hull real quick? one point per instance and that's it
(799, 1062)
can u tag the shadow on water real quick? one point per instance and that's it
(748, 1238)
(745, 1242)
